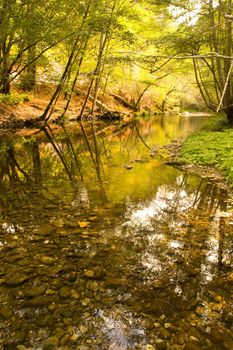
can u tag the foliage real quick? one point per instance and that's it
(212, 148)
(207, 37)
(100, 45)
(13, 98)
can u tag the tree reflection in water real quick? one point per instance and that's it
(106, 255)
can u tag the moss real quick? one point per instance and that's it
(210, 147)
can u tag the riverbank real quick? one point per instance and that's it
(207, 152)
(19, 113)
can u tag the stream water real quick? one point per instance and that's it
(103, 246)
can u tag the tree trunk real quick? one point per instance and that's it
(122, 100)
(228, 63)
(5, 81)
(29, 80)
(48, 111)
(5, 38)
(229, 114)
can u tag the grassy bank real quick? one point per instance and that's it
(212, 146)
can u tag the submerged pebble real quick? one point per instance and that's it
(115, 260)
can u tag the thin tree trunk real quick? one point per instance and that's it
(29, 79)
(214, 42)
(200, 87)
(104, 37)
(228, 63)
(5, 11)
(137, 103)
(46, 115)
(76, 78)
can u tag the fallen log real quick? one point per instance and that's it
(98, 103)
(111, 116)
(122, 100)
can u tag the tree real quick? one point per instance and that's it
(27, 30)
(208, 40)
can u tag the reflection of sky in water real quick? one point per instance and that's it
(208, 267)
(166, 201)
(176, 244)
(156, 259)
(119, 326)
(81, 198)
(149, 262)
(11, 228)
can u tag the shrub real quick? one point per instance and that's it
(13, 98)
(216, 123)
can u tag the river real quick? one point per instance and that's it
(104, 247)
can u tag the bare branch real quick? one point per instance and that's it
(187, 57)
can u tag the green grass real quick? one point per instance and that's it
(211, 147)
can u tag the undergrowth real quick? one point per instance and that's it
(212, 146)
(13, 98)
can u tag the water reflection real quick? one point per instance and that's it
(99, 256)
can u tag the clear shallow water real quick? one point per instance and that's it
(104, 247)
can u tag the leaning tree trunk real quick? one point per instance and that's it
(5, 81)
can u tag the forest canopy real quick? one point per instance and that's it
(154, 54)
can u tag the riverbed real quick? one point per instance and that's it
(104, 246)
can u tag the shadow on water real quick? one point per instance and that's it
(103, 247)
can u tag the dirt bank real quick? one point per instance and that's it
(25, 114)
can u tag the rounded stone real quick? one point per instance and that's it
(89, 273)
(64, 292)
(93, 286)
(74, 294)
(180, 340)
(47, 260)
(200, 311)
(54, 341)
(157, 325)
(193, 339)
(83, 329)
(50, 291)
(167, 325)
(150, 347)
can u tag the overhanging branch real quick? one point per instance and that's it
(187, 57)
